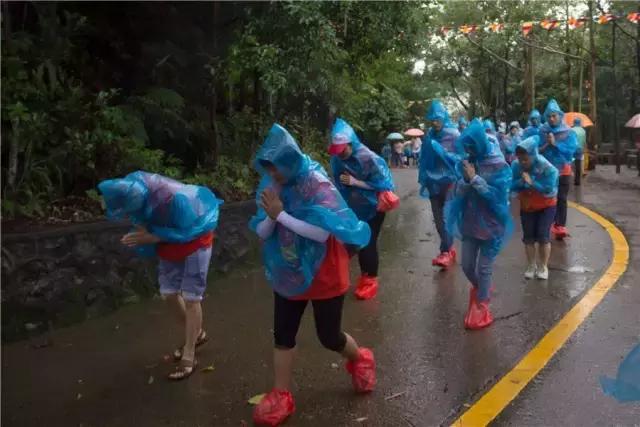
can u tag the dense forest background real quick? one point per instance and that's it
(94, 90)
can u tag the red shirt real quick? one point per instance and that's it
(532, 200)
(179, 251)
(566, 170)
(332, 278)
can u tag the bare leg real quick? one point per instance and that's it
(193, 325)
(544, 251)
(176, 305)
(282, 367)
(351, 348)
(531, 253)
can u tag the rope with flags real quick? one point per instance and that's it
(546, 24)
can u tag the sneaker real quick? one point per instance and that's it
(274, 408)
(363, 371)
(367, 287)
(542, 273)
(530, 272)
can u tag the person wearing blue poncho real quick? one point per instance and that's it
(462, 123)
(558, 144)
(534, 124)
(174, 221)
(489, 127)
(437, 174)
(509, 142)
(361, 176)
(535, 180)
(479, 215)
(581, 135)
(304, 224)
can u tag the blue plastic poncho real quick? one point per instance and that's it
(489, 127)
(175, 212)
(437, 161)
(508, 145)
(543, 174)
(626, 386)
(291, 261)
(480, 209)
(364, 165)
(534, 124)
(566, 141)
(462, 123)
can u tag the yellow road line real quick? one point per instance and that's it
(504, 391)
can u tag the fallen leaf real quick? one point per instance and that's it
(335, 366)
(79, 396)
(393, 396)
(256, 399)
(150, 380)
(361, 419)
(209, 368)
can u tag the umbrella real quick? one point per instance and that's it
(395, 136)
(570, 117)
(634, 122)
(413, 132)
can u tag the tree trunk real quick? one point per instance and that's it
(529, 79)
(505, 85)
(12, 172)
(568, 60)
(213, 106)
(593, 111)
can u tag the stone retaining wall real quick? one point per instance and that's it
(65, 275)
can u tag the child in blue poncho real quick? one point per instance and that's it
(535, 180)
(304, 224)
(479, 215)
(174, 221)
(509, 142)
(362, 177)
(558, 144)
(437, 174)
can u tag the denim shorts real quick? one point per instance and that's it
(187, 277)
(536, 225)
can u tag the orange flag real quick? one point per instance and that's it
(607, 17)
(468, 29)
(634, 17)
(496, 27)
(575, 23)
(526, 28)
(549, 24)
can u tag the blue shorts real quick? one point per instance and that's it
(536, 225)
(187, 277)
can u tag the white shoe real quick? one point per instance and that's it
(542, 273)
(530, 272)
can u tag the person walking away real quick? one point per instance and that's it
(386, 152)
(174, 222)
(361, 176)
(558, 143)
(535, 180)
(437, 174)
(533, 127)
(416, 145)
(581, 135)
(479, 215)
(397, 142)
(304, 225)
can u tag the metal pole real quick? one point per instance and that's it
(615, 97)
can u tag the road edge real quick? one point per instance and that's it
(498, 397)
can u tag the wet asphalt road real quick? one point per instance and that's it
(109, 371)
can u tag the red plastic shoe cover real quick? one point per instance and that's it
(478, 316)
(363, 371)
(367, 287)
(274, 408)
(387, 201)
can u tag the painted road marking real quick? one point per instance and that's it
(504, 391)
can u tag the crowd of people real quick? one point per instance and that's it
(311, 224)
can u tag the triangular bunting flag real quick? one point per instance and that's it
(526, 28)
(607, 17)
(634, 17)
(496, 27)
(549, 24)
(445, 30)
(575, 23)
(468, 29)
